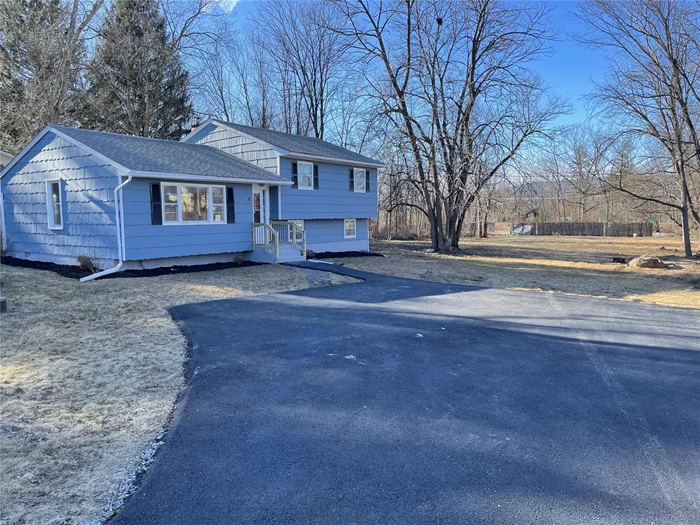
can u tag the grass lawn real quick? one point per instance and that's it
(89, 374)
(571, 265)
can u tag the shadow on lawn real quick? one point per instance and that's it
(482, 248)
(534, 273)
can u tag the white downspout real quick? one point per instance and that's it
(3, 229)
(118, 210)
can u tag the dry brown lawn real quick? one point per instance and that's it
(571, 265)
(89, 374)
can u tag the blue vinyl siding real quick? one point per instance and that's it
(333, 199)
(144, 240)
(329, 235)
(237, 145)
(89, 220)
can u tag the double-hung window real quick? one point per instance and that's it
(54, 204)
(193, 203)
(350, 228)
(359, 180)
(305, 174)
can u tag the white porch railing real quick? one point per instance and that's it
(289, 232)
(266, 236)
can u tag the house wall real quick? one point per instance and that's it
(333, 199)
(143, 240)
(89, 219)
(329, 236)
(238, 145)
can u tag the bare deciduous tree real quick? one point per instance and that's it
(308, 55)
(651, 85)
(452, 78)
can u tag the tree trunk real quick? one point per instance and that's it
(484, 225)
(686, 224)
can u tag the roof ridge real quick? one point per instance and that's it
(114, 134)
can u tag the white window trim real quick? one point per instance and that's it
(210, 209)
(49, 204)
(345, 229)
(355, 178)
(299, 186)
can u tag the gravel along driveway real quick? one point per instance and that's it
(395, 401)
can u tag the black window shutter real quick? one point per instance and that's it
(352, 179)
(315, 176)
(156, 208)
(295, 176)
(366, 181)
(230, 206)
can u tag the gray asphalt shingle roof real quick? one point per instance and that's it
(300, 144)
(167, 156)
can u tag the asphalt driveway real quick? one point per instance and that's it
(402, 402)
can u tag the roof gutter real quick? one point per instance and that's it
(204, 178)
(3, 229)
(118, 208)
(335, 160)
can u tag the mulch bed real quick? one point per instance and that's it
(64, 270)
(76, 272)
(342, 255)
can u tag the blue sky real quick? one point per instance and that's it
(569, 70)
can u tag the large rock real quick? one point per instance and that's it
(646, 261)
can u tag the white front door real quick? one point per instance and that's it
(260, 205)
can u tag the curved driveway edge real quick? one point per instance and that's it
(394, 401)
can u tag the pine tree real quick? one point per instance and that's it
(137, 84)
(40, 58)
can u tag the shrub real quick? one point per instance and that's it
(86, 263)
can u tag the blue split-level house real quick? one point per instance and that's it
(224, 192)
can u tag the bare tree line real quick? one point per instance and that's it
(445, 92)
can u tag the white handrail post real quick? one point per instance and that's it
(275, 236)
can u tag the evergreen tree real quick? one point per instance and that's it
(40, 58)
(137, 84)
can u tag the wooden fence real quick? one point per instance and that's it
(595, 229)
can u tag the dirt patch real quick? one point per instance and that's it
(578, 266)
(89, 373)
